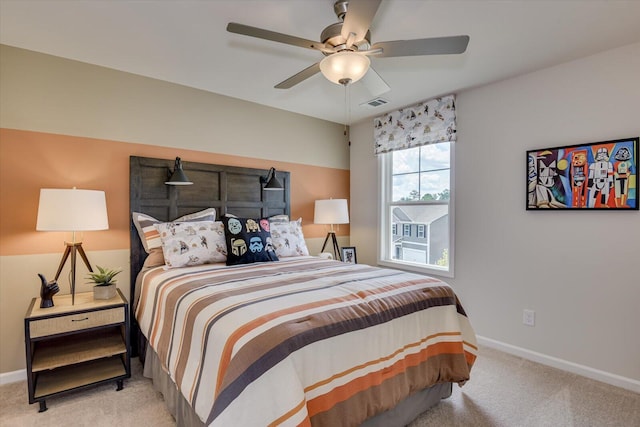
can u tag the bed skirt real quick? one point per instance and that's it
(405, 412)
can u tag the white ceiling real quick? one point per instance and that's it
(186, 42)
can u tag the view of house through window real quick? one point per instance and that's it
(416, 221)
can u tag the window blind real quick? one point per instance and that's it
(427, 122)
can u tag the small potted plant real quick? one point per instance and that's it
(104, 282)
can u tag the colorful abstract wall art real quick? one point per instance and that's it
(598, 175)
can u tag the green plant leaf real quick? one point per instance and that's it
(104, 276)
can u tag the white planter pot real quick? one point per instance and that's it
(104, 292)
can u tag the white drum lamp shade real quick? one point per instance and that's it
(72, 210)
(331, 211)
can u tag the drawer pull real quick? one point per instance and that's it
(79, 320)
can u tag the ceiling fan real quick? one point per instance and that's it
(347, 46)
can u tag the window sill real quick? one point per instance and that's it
(415, 268)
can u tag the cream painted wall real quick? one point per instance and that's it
(48, 94)
(364, 196)
(577, 270)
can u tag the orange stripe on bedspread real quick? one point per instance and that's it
(382, 359)
(470, 357)
(171, 287)
(328, 400)
(306, 422)
(240, 332)
(230, 343)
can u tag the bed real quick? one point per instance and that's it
(300, 340)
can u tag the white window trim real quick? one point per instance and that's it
(384, 239)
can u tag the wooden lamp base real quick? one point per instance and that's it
(71, 249)
(336, 248)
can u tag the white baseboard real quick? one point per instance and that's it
(554, 362)
(13, 377)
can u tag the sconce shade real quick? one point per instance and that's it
(72, 210)
(331, 211)
(345, 67)
(178, 177)
(272, 183)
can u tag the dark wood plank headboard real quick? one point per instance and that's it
(229, 189)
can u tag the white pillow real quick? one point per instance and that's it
(278, 219)
(149, 235)
(192, 243)
(288, 239)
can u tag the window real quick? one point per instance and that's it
(416, 187)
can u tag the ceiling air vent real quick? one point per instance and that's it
(374, 103)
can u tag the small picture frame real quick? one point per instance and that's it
(349, 254)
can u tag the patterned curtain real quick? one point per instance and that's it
(425, 123)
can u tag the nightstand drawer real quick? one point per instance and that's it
(75, 322)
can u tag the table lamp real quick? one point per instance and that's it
(331, 211)
(72, 210)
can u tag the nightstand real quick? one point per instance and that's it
(70, 347)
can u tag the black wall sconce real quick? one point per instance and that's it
(270, 181)
(178, 176)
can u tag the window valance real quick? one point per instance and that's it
(425, 123)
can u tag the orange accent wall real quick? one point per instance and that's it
(30, 161)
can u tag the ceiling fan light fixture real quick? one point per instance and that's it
(345, 66)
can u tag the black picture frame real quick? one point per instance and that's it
(591, 176)
(349, 254)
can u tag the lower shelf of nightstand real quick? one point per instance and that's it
(74, 376)
(83, 347)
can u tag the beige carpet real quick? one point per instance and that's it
(509, 391)
(504, 391)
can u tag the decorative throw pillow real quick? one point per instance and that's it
(192, 243)
(278, 219)
(149, 235)
(288, 239)
(248, 240)
(154, 259)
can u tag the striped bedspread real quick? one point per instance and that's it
(302, 341)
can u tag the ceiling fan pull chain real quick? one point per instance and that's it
(347, 88)
(347, 112)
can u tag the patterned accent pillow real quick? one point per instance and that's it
(192, 243)
(278, 219)
(248, 240)
(288, 238)
(149, 235)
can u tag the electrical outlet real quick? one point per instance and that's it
(529, 317)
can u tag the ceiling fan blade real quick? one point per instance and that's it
(374, 83)
(358, 19)
(301, 76)
(430, 46)
(260, 33)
